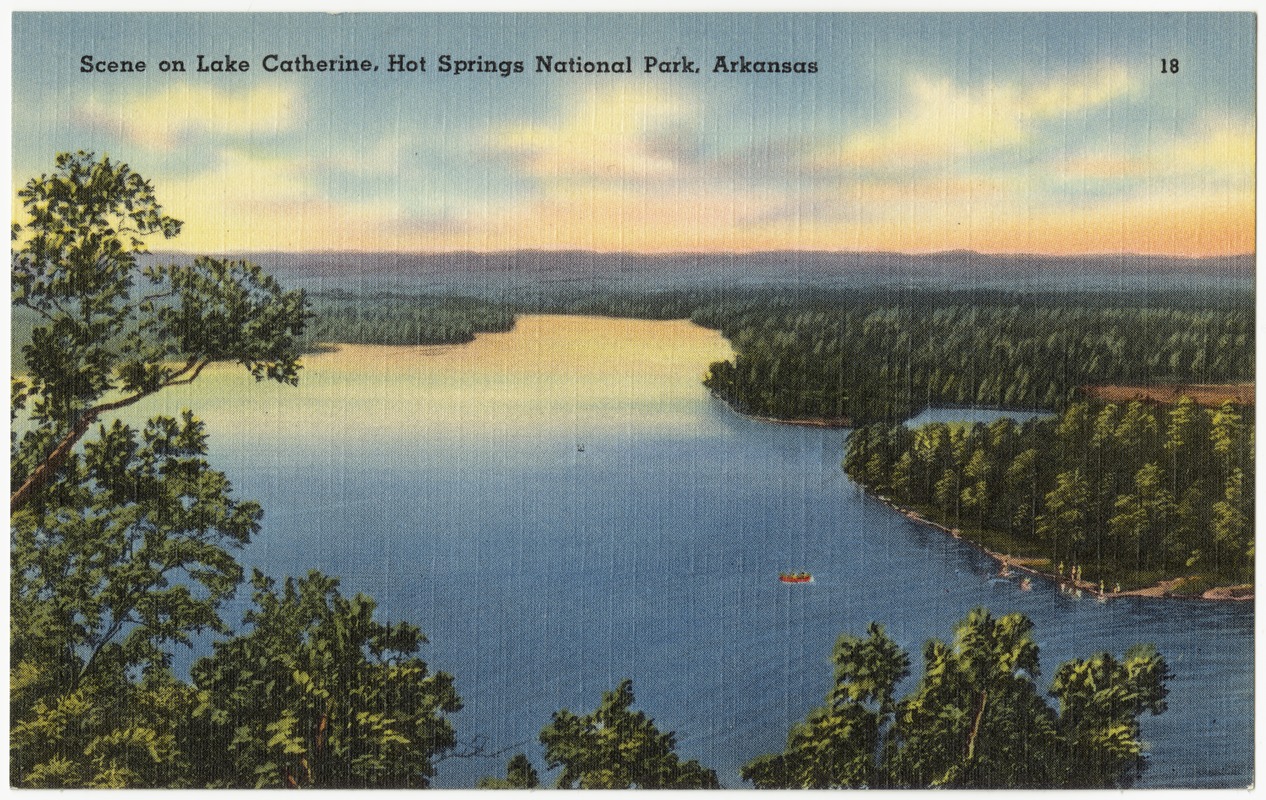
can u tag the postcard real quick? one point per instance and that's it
(632, 400)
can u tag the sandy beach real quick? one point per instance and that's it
(1239, 593)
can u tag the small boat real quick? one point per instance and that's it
(795, 577)
(1026, 585)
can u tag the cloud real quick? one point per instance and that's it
(246, 201)
(160, 120)
(942, 120)
(630, 132)
(1214, 149)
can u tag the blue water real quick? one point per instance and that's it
(970, 415)
(543, 575)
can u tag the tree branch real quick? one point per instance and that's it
(975, 727)
(183, 381)
(111, 632)
(157, 296)
(474, 748)
(57, 457)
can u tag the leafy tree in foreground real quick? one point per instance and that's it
(120, 546)
(127, 554)
(101, 344)
(976, 719)
(617, 748)
(836, 746)
(1101, 700)
(109, 733)
(520, 774)
(319, 694)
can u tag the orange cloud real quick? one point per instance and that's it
(1185, 228)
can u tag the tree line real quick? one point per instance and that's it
(975, 720)
(387, 318)
(1130, 493)
(872, 360)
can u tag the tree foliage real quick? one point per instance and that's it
(1133, 492)
(1101, 699)
(614, 747)
(387, 318)
(975, 720)
(128, 555)
(520, 774)
(101, 342)
(836, 746)
(122, 545)
(871, 358)
(319, 694)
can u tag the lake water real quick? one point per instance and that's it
(564, 506)
(970, 416)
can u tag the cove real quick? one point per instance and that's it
(564, 505)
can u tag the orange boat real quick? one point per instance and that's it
(795, 577)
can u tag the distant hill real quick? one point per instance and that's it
(528, 274)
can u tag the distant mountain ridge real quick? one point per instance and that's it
(519, 273)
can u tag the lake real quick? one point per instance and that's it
(565, 505)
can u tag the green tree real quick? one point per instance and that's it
(839, 745)
(1228, 437)
(617, 748)
(319, 694)
(121, 546)
(1185, 432)
(1233, 528)
(127, 554)
(520, 774)
(976, 718)
(1101, 699)
(109, 733)
(1020, 484)
(1066, 521)
(100, 344)
(977, 491)
(1141, 520)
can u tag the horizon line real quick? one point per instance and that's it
(672, 253)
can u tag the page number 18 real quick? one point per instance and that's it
(1169, 65)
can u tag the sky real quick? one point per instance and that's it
(918, 132)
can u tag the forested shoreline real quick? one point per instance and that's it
(880, 355)
(1127, 494)
(881, 361)
(387, 318)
